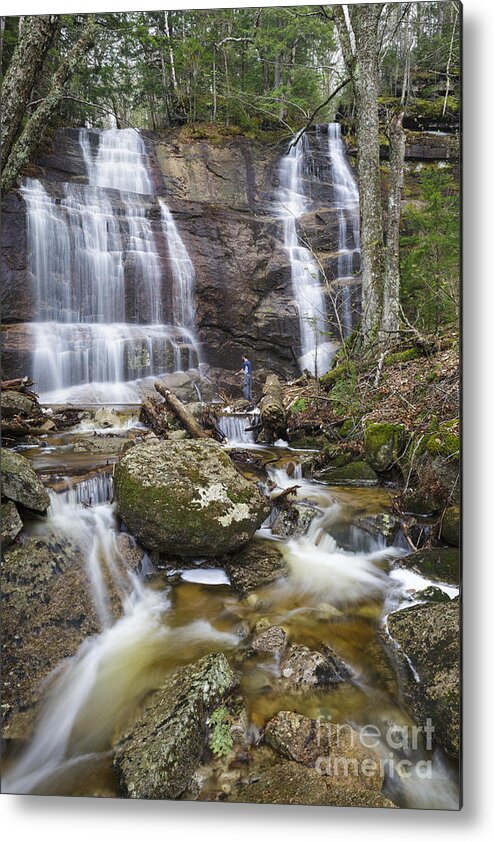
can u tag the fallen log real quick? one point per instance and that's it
(17, 428)
(273, 418)
(18, 383)
(181, 412)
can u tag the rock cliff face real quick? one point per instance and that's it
(223, 198)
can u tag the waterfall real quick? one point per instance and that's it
(307, 281)
(307, 284)
(234, 428)
(106, 319)
(346, 204)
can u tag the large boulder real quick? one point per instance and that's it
(159, 751)
(187, 499)
(428, 638)
(20, 483)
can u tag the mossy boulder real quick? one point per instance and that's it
(186, 498)
(20, 483)
(158, 752)
(450, 526)
(354, 473)
(440, 564)
(428, 637)
(384, 444)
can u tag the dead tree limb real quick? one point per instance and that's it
(181, 412)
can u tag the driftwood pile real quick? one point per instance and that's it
(156, 414)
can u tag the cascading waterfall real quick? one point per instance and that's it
(346, 203)
(307, 281)
(98, 274)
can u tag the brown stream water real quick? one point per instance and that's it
(167, 621)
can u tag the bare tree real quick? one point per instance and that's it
(35, 39)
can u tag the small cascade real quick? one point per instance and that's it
(92, 527)
(89, 492)
(107, 320)
(233, 426)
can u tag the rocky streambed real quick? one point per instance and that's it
(188, 620)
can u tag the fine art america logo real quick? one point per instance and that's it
(398, 750)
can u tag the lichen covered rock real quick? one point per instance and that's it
(292, 783)
(324, 745)
(187, 499)
(11, 523)
(302, 668)
(159, 751)
(20, 483)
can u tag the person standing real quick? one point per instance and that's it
(247, 372)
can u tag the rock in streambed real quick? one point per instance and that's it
(160, 750)
(187, 499)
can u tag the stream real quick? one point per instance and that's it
(338, 591)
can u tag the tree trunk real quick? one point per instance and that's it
(273, 418)
(181, 412)
(366, 83)
(27, 61)
(391, 297)
(36, 127)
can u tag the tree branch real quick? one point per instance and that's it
(317, 110)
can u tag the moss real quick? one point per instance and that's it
(354, 473)
(347, 428)
(384, 444)
(450, 526)
(341, 370)
(402, 356)
(444, 444)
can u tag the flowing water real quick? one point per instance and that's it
(334, 593)
(346, 204)
(332, 169)
(102, 272)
